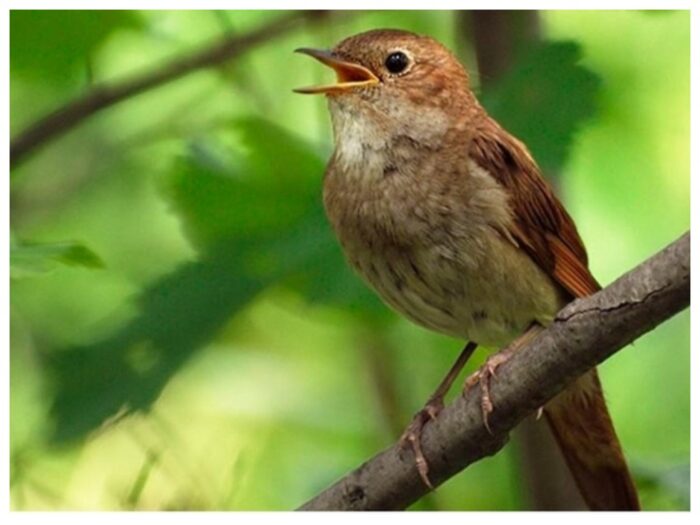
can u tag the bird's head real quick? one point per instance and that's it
(392, 79)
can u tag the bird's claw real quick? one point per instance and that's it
(412, 436)
(482, 377)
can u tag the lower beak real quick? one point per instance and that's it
(350, 75)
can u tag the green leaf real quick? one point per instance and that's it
(223, 196)
(27, 260)
(545, 99)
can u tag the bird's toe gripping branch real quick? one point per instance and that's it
(412, 435)
(482, 377)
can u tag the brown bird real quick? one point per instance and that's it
(446, 215)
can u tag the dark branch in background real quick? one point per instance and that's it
(103, 96)
(498, 37)
(584, 334)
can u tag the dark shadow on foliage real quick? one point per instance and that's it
(545, 99)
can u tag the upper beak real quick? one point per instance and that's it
(349, 75)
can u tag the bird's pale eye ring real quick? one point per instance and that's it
(397, 62)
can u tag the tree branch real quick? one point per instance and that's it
(103, 96)
(585, 333)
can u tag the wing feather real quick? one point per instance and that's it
(541, 225)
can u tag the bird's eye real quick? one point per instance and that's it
(396, 62)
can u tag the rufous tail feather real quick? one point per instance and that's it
(581, 424)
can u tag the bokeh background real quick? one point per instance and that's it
(184, 331)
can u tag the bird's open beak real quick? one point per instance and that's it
(349, 75)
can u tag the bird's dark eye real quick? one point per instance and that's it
(396, 62)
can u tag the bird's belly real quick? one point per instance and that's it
(485, 290)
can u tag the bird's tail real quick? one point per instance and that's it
(581, 424)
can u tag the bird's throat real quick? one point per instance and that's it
(370, 139)
(360, 140)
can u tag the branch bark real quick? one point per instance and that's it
(585, 333)
(103, 96)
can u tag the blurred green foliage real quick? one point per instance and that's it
(546, 98)
(199, 342)
(54, 45)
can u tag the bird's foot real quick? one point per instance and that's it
(412, 435)
(482, 377)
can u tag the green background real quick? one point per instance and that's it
(184, 331)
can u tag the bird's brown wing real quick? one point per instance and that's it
(541, 226)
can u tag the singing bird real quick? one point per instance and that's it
(447, 217)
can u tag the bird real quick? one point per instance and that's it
(447, 217)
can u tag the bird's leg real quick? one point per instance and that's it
(432, 408)
(483, 376)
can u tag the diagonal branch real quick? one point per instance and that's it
(584, 334)
(103, 96)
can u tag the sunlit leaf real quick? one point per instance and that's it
(27, 260)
